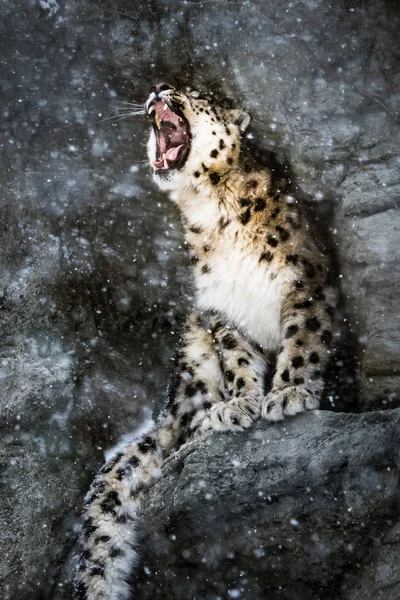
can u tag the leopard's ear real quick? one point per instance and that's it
(241, 119)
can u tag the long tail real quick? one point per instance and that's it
(109, 529)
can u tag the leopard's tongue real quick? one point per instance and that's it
(169, 156)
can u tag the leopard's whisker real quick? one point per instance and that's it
(133, 104)
(120, 116)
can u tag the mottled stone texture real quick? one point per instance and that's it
(94, 273)
(302, 510)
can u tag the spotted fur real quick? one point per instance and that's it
(261, 289)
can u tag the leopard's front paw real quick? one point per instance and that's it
(287, 401)
(235, 415)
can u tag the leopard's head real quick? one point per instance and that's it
(193, 140)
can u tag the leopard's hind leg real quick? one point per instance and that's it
(220, 378)
(244, 370)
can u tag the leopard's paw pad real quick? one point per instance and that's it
(235, 415)
(286, 402)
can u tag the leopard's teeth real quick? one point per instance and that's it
(152, 108)
(158, 121)
(165, 162)
(165, 106)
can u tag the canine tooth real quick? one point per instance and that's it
(158, 121)
(165, 162)
(152, 108)
(165, 106)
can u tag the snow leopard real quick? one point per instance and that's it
(259, 337)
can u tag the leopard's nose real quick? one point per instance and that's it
(162, 87)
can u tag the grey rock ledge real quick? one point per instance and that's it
(300, 510)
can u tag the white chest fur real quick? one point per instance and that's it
(246, 290)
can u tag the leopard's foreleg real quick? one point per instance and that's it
(307, 333)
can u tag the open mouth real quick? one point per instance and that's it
(172, 136)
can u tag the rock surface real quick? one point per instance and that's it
(294, 511)
(93, 268)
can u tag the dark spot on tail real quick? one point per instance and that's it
(121, 473)
(121, 518)
(111, 464)
(146, 445)
(134, 462)
(110, 502)
(102, 539)
(114, 552)
(190, 390)
(201, 386)
(97, 569)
